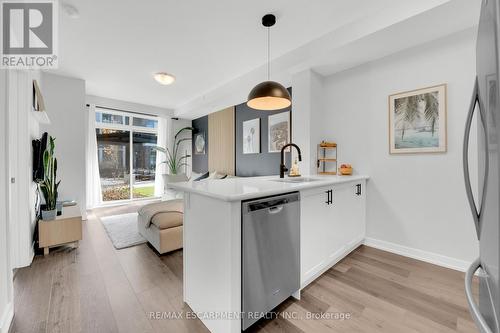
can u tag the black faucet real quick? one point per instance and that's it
(283, 167)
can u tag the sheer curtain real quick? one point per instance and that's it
(160, 157)
(94, 194)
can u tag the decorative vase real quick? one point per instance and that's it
(59, 207)
(48, 215)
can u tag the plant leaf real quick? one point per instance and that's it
(183, 158)
(188, 128)
(161, 149)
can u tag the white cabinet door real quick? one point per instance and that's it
(334, 230)
(313, 222)
(358, 213)
(349, 207)
(330, 226)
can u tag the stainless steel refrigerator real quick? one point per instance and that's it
(486, 209)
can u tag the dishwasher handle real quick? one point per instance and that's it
(275, 209)
(273, 205)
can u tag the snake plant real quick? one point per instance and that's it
(174, 162)
(49, 184)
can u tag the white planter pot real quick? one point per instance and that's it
(180, 177)
(48, 215)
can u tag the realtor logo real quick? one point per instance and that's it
(29, 34)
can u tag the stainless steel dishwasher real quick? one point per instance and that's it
(270, 254)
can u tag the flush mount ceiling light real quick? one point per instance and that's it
(269, 95)
(164, 78)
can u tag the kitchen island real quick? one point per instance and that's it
(332, 224)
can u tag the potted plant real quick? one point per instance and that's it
(173, 161)
(49, 184)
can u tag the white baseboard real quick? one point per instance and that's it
(28, 260)
(6, 318)
(430, 257)
(334, 260)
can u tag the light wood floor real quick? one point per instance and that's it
(96, 288)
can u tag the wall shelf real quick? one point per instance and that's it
(327, 159)
(41, 116)
(331, 173)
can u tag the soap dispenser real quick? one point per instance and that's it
(294, 170)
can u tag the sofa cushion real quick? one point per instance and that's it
(167, 220)
(148, 212)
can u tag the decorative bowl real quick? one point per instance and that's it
(345, 171)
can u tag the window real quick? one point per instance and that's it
(145, 122)
(113, 155)
(109, 118)
(144, 164)
(126, 154)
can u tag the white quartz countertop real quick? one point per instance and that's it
(243, 188)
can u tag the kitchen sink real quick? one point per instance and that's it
(295, 180)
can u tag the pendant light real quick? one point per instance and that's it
(269, 95)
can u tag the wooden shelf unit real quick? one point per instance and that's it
(325, 160)
(66, 228)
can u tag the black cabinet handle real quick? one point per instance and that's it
(329, 197)
(358, 189)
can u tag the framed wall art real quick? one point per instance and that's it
(278, 131)
(251, 136)
(417, 121)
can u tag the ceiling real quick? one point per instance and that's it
(116, 45)
(400, 27)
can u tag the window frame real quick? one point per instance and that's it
(131, 129)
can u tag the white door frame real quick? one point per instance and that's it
(12, 169)
(6, 285)
(20, 219)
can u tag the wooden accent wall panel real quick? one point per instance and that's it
(221, 157)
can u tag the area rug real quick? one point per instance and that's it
(122, 230)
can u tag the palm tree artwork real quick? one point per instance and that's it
(417, 120)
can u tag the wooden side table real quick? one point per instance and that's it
(65, 229)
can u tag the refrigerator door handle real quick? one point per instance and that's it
(476, 212)
(474, 309)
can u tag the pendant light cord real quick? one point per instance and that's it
(268, 53)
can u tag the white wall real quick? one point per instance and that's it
(308, 106)
(416, 203)
(65, 104)
(6, 294)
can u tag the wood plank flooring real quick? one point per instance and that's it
(97, 288)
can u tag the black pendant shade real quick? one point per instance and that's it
(269, 95)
